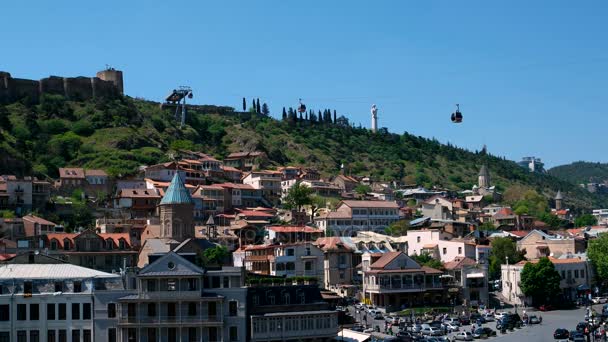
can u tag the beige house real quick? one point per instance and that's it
(539, 244)
(354, 216)
(337, 264)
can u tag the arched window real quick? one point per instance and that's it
(66, 244)
(121, 244)
(109, 244)
(54, 244)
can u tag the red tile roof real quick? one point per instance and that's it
(333, 243)
(294, 229)
(459, 262)
(139, 193)
(519, 233)
(116, 237)
(254, 213)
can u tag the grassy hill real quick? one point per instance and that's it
(120, 135)
(581, 172)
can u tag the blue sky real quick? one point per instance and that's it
(530, 75)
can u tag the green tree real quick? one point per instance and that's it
(298, 196)
(265, 109)
(257, 107)
(284, 114)
(362, 190)
(585, 220)
(598, 254)
(244, 105)
(502, 248)
(487, 226)
(214, 256)
(398, 228)
(7, 214)
(425, 259)
(541, 282)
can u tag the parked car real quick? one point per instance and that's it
(416, 328)
(483, 332)
(451, 327)
(580, 327)
(499, 315)
(463, 336)
(452, 320)
(464, 320)
(359, 306)
(488, 317)
(561, 334)
(428, 330)
(578, 337)
(599, 300)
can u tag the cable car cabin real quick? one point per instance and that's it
(457, 115)
(302, 108)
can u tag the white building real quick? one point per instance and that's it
(50, 302)
(439, 244)
(269, 182)
(574, 271)
(601, 215)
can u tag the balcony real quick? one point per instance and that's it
(198, 320)
(404, 287)
(172, 295)
(258, 258)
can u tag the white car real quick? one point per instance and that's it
(599, 300)
(463, 336)
(358, 306)
(452, 320)
(431, 331)
(499, 315)
(451, 327)
(392, 319)
(488, 317)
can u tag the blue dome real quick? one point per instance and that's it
(177, 192)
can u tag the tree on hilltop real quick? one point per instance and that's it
(265, 109)
(257, 107)
(244, 105)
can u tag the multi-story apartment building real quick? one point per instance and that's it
(269, 182)
(353, 216)
(50, 302)
(91, 181)
(105, 252)
(209, 200)
(23, 195)
(470, 279)
(601, 215)
(337, 264)
(439, 245)
(138, 203)
(394, 279)
(246, 161)
(539, 244)
(176, 301)
(35, 226)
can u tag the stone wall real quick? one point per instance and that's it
(73, 88)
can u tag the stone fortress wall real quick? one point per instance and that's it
(107, 83)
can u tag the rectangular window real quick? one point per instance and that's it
(75, 335)
(5, 336)
(62, 311)
(234, 334)
(112, 335)
(151, 285)
(151, 309)
(191, 309)
(86, 311)
(21, 312)
(151, 334)
(34, 336)
(192, 284)
(28, 286)
(21, 336)
(63, 335)
(86, 335)
(171, 285)
(50, 336)
(575, 273)
(563, 274)
(58, 286)
(459, 250)
(111, 310)
(232, 308)
(215, 282)
(5, 313)
(34, 312)
(75, 311)
(77, 286)
(226, 282)
(582, 273)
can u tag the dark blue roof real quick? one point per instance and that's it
(177, 192)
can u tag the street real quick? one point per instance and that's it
(551, 321)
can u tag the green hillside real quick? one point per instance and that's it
(120, 135)
(581, 172)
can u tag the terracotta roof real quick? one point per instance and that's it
(348, 178)
(337, 214)
(294, 229)
(6, 256)
(116, 237)
(94, 172)
(231, 169)
(555, 261)
(139, 193)
(504, 213)
(370, 204)
(385, 259)
(519, 233)
(236, 186)
(254, 213)
(429, 245)
(71, 172)
(60, 237)
(39, 220)
(459, 262)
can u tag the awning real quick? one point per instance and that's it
(475, 275)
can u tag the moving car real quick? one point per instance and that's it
(463, 336)
(533, 319)
(489, 317)
(599, 300)
(580, 327)
(561, 334)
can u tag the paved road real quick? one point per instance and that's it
(552, 320)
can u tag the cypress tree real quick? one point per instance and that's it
(244, 105)
(335, 116)
(257, 107)
(301, 118)
(306, 116)
(265, 109)
(320, 117)
(284, 114)
(253, 105)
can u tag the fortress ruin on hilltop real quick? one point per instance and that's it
(107, 84)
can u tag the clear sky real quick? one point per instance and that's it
(530, 75)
